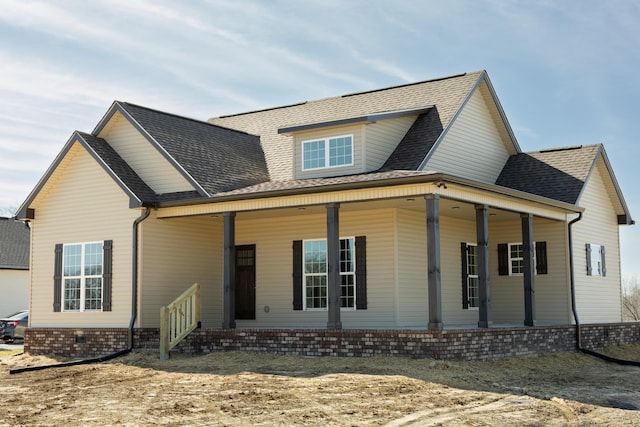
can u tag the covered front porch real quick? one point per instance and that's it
(419, 273)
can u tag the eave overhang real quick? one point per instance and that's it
(624, 218)
(25, 212)
(439, 182)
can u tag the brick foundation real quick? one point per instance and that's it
(454, 344)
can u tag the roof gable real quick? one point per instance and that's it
(138, 192)
(561, 174)
(446, 95)
(199, 150)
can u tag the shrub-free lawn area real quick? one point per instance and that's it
(255, 389)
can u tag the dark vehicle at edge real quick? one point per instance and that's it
(12, 327)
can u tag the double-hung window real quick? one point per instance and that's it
(470, 278)
(327, 152)
(511, 258)
(315, 274)
(83, 276)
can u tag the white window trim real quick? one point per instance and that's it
(596, 260)
(82, 277)
(471, 276)
(305, 274)
(511, 273)
(326, 151)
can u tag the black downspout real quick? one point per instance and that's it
(575, 311)
(134, 279)
(134, 313)
(573, 283)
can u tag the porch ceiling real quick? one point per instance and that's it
(448, 208)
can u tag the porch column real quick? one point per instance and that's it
(484, 294)
(529, 270)
(433, 262)
(229, 271)
(333, 266)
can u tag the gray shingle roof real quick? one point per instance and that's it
(446, 94)
(558, 174)
(122, 170)
(417, 142)
(218, 159)
(14, 244)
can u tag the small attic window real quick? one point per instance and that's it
(327, 153)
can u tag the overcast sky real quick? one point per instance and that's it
(566, 72)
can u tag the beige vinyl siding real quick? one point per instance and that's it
(14, 285)
(598, 299)
(178, 252)
(175, 254)
(372, 145)
(412, 295)
(381, 138)
(80, 203)
(454, 231)
(552, 291)
(143, 158)
(473, 147)
(358, 166)
(274, 288)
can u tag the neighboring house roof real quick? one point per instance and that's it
(201, 149)
(14, 244)
(559, 173)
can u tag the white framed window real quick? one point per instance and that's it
(327, 153)
(511, 258)
(472, 278)
(314, 263)
(516, 259)
(82, 269)
(596, 260)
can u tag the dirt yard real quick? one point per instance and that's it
(227, 389)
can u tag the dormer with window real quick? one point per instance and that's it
(348, 146)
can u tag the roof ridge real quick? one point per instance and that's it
(348, 95)
(565, 148)
(261, 110)
(178, 116)
(453, 76)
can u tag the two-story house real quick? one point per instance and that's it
(373, 222)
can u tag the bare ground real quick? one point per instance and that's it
(236, 388)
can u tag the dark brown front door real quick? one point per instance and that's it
(246, 282)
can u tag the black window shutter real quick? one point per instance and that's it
(465, 276)
(297, 274)
(541, 257)
(57, 278)
(107, 274)
(604, 265)
(361, 272)
(503, 259)
(588, 259)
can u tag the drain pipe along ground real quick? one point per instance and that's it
(134, 311)
(575, 310)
